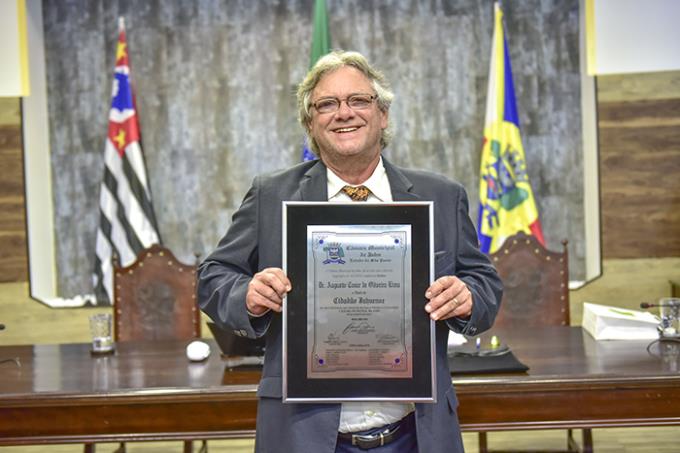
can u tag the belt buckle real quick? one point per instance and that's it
(367, 442)
(375, 440)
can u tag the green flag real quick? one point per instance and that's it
(321, 37)
(321, 45)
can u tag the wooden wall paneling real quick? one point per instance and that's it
(13, 261)
(640, 190)
(635, 87)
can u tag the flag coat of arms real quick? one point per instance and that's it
(506, 201)
(321, 45)
(127, 223)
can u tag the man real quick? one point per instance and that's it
(344, 107)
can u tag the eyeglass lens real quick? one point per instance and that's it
(355, 102)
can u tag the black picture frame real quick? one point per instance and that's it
(297, 386)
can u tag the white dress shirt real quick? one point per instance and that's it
(360, 416)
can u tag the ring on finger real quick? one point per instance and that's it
(455, 302)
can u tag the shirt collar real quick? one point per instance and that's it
(377, 183)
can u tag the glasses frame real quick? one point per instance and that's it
(346, 100)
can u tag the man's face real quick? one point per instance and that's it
(346, 132)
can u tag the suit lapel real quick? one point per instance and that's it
(314, 186)
(400, 185)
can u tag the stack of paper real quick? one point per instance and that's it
(613, 323)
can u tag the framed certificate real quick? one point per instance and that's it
(354, 324)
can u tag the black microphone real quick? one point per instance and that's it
(668, 304)
(2, 327)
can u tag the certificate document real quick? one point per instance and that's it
(359, 301)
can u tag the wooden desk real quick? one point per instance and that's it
(575, 382)
(149, 391)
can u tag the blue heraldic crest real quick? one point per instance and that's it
(334, 254)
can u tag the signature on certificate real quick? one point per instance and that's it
(360, 327)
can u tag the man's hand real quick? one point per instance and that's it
(449, 297)
(266, 291)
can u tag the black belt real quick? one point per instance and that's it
(368, 441)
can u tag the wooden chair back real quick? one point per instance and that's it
(155, 298)
(536, 283)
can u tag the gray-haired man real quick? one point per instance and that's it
(344, 107)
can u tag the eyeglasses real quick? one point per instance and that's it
(354, 101)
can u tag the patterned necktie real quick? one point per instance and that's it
(359, 193)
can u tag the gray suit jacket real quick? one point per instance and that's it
(253, 242)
